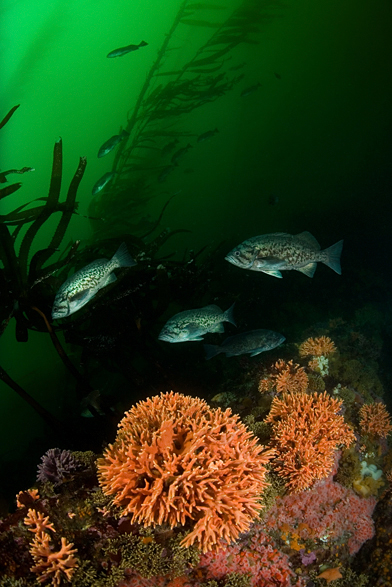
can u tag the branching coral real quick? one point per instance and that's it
(176, 460)
(52, 564)
(285, 377)
(306, 431)
(317, 347)
(375, 420)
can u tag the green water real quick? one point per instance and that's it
(315, 134)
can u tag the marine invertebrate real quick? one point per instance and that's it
(306, 431)
(56, 465)
(317, 347)
(176, 460)
(285, 376)
(329, 513)
(52, 564)
(375, 420)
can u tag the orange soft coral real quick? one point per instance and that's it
(176, 460)
(317, 347)
(38, 522)
(375, 420)
(51, 564)
(285, 377)
(306, 432)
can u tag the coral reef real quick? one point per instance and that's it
(175, 460)
(306, 431)
(375, 420)
(284, 376)
(56, 465)
(317, 347)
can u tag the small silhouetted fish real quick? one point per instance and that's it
(100, 184)
(193, 324)
(273, 200)
(180, 153)
(279, 251)
(277, 75)
(206, 136)
(124, 50)
(111, 143)
(166, 171)
(250, 90)
(79, 289)
(168, 148)
(252, 342)
(236, 67)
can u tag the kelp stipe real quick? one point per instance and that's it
(18, 276)
(138, 166)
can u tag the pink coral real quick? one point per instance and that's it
(329, 512)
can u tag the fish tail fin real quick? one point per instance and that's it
(122, 258)
(333, 257)
(211, 350)
(143, 44)
(228, 316)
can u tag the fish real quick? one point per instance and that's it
(168, 148)
(111, 143)
(100, 184)
(82, 286)
(124, 50)
(206, 136)
(180, 153)
(279, 251)
(250, 90)
(252, 342)
(166, 171)
(191, 325)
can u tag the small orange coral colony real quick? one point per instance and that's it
(317, 347)
(285, 377)
(177, 461)
(50, 564)
(375, 420)
(306, 431)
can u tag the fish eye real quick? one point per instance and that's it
(237, 253)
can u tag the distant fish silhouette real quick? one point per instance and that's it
(277, 75)
(124, 50)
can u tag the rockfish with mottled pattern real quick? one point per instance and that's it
(193, 324)
(81, 287)
(279, 251)
(252, 342)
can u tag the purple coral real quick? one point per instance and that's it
(307, 559)
(56, 465)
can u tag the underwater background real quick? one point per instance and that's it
(295, 99)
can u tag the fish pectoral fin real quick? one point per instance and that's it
(81, 295)
(256, 352)
(111, 278)
(308, 269)
(217, 328)
(273, 273)
(265, 261)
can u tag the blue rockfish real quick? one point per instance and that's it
(79, 289)
(276, 252)
(111, 143)
(124, 50)
(193, 324)
(252, 342)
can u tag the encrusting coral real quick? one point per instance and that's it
(306, 431)
(177, 461)
(375, 420)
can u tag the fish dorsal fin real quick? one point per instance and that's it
(308, 269)
(278, 234)
(213, 307)
(308, 239)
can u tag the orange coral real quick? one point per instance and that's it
(285, 377)
(317, 347)
(306, 431)
(51, 564)
(375, 420)
(26, 497)
(176, 460)
(38, 521)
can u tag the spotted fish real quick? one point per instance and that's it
(279, 251)
(81, 287)
(193, 324)
(252, 342)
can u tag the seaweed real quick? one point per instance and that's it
(139, 165)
